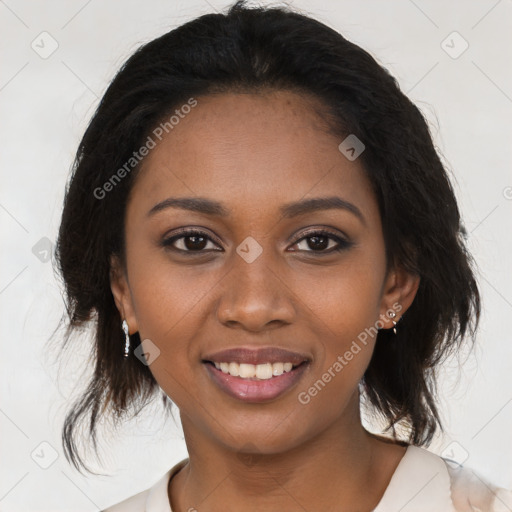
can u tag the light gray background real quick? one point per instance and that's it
(45, 106)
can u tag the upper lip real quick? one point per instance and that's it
(257, 356)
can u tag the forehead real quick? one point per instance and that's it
(252, 152)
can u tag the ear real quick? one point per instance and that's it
(399, 290)
(122, 294)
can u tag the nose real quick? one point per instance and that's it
(255, 296)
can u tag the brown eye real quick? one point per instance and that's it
(194, 243)
(318, 242)
(189, 241)
(323, 242)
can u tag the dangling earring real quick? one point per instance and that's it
(127, 338)
(392, 314)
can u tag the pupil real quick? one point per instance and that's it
(319, 245)
(193, 245)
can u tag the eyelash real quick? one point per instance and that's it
(342, 244)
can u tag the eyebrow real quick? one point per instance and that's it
(288, 210)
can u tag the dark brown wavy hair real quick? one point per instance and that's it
(254, 49)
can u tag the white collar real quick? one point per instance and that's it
(420, 483)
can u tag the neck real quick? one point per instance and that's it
(336, 470)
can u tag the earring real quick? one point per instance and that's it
(127, 338)
(392, 314)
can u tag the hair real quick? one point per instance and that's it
(257, 49)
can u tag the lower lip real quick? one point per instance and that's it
(256, 390)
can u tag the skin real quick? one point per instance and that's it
(254, 153)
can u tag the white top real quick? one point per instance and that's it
(422, 482)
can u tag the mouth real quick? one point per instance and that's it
(256, 376)
(263, 371)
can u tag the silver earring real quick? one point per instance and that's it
(127, 338)
(392, 314)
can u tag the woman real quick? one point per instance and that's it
(259, 225)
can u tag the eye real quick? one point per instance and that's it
(196, 241)
(190, 240)
(319, 241)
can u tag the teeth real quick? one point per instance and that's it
(233, 369)
(277, 368)
(264, 371)
(246, 371)
(260, 371)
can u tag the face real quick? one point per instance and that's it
(249, 274)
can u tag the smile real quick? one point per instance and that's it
(259, 371)
(255, 383)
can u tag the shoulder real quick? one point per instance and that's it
(153, 499)
(471, 491)
(430, 479)
(136, 503)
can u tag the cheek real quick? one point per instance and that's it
(346, 298)
(345, 303)
(165, 295)
(166, 306)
